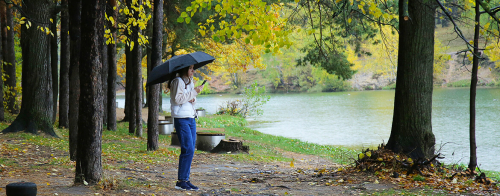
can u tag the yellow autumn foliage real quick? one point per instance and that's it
(493, 53)
(234, 57)
(384, 58)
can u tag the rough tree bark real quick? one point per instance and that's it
(2, 109)
(104, 75)
(112, 68)
(64, 72)
(411, 126)
(134, 109)
(10, 62)
(88, 161)
(54, 61)
(154, 90)
(74, 8)
(37, 104)
(128, 85)
(137, 84)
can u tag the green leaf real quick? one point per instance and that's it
(247, 40)
(180, 20)
(188, 20)
(216, 38)
(184, 14)
(189, 8)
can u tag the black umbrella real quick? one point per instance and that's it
(167, 70)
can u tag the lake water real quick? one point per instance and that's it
(363, 119)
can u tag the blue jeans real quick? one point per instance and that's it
(186, 132)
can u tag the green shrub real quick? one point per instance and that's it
(419, 178)
(389, 87)
(460, 83)
(254, 99)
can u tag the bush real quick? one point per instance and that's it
(234, 108)
(460, 83)
(251, 105)
(389, 87)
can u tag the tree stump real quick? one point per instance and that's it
(231, 145)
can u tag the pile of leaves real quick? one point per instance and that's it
(400, 169)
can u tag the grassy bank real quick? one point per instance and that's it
(268, 147)
(120, 145)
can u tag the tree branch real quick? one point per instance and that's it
(23, 13)
(487, 10)
(457, 30)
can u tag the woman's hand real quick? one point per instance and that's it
(199, 88)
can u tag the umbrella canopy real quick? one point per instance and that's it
(167, 70)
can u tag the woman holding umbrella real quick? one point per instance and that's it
(182, 101)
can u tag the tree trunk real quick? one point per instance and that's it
(230, 145)
(154, 90)
(411, 126)
(112, 68)
(134, 81)
(54, 61)
(88, 161)
(473, 84)
(149, 33)
(10, 63)
(74, 8)
(137, 84)
(37, 103)
(128, 84)
(2, 110)
(160, 97)
(104, 75)
(64, 72)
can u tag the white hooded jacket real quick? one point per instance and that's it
(180, 95)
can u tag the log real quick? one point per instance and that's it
(231, 145)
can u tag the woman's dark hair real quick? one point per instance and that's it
(180, 73)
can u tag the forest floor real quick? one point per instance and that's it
(46, 164)
(213, 173)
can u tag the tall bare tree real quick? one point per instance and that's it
(90, 124)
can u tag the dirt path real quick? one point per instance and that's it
(120, 114)
(213, 173)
